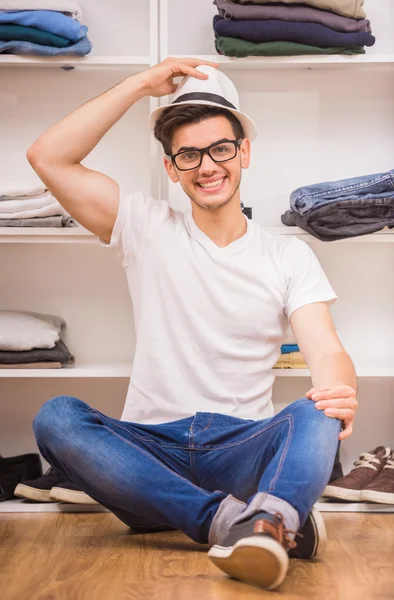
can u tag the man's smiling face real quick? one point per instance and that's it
(212, 184)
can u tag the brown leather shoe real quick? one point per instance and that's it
(381, 489)
(366, 469)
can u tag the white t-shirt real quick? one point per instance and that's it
(209, 321)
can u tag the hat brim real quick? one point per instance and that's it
(248, 125)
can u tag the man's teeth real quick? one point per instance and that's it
(212, 184)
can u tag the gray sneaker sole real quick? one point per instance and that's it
(256, 560)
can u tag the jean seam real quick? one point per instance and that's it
(192, 463)
(209, 424)
(141, 451)
(284, 454)
(259, 432)
(345, 188)
(136, 435)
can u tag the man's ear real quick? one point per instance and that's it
(244, 150)
(172, 174)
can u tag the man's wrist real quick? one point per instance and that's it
(141, 85)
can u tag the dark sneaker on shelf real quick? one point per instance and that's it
(312, 538)
(255, 551)
(15, 469)
(366, 468)
(381, 489)
(39, 489)
(66, 491)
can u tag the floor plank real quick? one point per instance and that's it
(95, 557)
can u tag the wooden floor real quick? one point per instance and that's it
(95, 557)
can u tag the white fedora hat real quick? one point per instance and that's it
(218, 90)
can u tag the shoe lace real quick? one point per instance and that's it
(390, 462)
(277, 530)
(369, 460)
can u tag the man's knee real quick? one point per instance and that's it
(55, 416)
(305, 409)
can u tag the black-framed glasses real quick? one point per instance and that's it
(219, 152)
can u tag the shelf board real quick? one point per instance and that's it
(93, 370)
(27, 235)
(356, 507)
(299, 62)
(14, 60)
(361, 372)
(22, 506)
(123, 370)
(385, 235)
(18, 505)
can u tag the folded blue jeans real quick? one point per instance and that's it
(307, 198)
(179, 474)
(344, 219)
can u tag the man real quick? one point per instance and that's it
(212, 295)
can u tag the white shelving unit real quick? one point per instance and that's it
(135, 62)
(318, 117)
(23, 235)
(123, 370)
(229, 63)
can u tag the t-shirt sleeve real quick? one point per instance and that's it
(306, 281)
(139, 218)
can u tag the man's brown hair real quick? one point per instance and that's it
(175, 116)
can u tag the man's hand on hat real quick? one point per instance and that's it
(159, 80)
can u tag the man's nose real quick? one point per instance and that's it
(207, 164)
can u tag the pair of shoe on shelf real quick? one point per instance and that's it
(371, 480)
(52, 487)
(22, 476)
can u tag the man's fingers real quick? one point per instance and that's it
(337, 392)
(339, 413)
(195, 62)
(180, 70)
(314, 390)
(336, 403)
(346, 432)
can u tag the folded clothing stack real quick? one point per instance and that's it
(31, 205)
(290, 358)
(288, 28)
(336, 210)
(31, 340)
(42, 28)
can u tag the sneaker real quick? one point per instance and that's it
(367, 467)
(66, 491)
(15, 469)
(381, 489)
(39, 489)
(255, 551)
(312, 539)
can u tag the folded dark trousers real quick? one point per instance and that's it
(312, 34)
(230, 46)
(344, 219)
(60, 353)
(282, 12)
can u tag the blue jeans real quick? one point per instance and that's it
(365, 188)
(178, 474)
